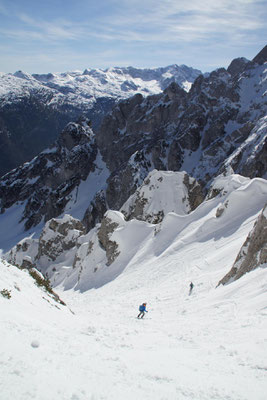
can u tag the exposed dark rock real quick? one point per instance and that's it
(59, 236)
(110, 246)
(253, 253)
(261, 57)
(195, 192)
(46, 183)
(237, 66)
(35, 108)
(95, 211)
(121, 184)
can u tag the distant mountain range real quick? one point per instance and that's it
(204, 143)
(35, 108)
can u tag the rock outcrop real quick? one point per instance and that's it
(58, 241)
(106, 229)
(253, 253)
(58, 236)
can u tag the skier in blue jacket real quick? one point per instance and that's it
(191, 288)
(142, 310)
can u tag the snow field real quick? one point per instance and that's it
(209, 345)
(197, 347)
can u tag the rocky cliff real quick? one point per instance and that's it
(43, 186)
(220, 122)
(253, 253)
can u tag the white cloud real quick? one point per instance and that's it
(150, 21)
(190, 19)
(59, 29)
(125, 31)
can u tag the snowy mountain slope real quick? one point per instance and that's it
(35, 108)
(220, 124)
(208, 345)
(183, 196)
(251, 154)
(86, 261)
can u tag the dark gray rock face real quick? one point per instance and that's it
(253, 253)
(140, 124)
(261, 57)
(59, 236)
(45, 183)
(95, 212)
(31, 123)
(195, 192)
(237, 66)
(110, 246)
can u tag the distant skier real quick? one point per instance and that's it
(142, 310)
(191, 288)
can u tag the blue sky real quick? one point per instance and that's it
(57, 36)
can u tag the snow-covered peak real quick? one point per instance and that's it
(93, 83)
(23, 75)
(162, 192)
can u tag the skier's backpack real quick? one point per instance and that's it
(141, 308)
